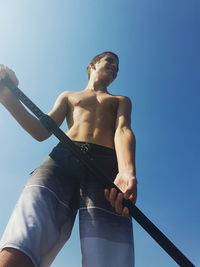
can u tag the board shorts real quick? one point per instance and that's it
(44, 215)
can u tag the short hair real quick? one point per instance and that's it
(97, 58)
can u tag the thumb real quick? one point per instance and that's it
(131, 188)
(12, 76)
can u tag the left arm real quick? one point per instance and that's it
(124, 138)
(125, 144)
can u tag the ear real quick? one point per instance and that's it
(92, 65)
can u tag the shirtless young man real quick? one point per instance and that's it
(41, 223)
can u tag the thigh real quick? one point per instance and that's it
(10, 257)
(44, 215)
(58, 172)
(39, 226)
(106, 239)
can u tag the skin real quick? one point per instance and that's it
(10, 257)
(93, 115)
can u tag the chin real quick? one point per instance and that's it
(107, 79)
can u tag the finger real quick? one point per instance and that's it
(2, 74)
(125, 212)
(9, 71)
(128, 193)
(112, 196)
(2, 71)
(133, 197)
(12, 76)
(118, 203)
(106, 193)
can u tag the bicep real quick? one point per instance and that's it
(59, 110)
(123, 118)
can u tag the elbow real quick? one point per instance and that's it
(41, 138)
(42, 135)
(124, 130)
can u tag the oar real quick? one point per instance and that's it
(51, 126)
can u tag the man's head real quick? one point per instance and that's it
(106, 65)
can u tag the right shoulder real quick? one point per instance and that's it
(67, 96)
(64, 96)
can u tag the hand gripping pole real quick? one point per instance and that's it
(51, 126)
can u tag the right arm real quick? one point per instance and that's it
(30, 123)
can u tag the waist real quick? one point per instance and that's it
(90, 148)
(102, 137)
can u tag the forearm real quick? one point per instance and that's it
(30, 123)
(125, 146)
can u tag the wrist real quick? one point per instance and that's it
(128, 170)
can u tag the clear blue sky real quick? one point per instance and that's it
(49, 43)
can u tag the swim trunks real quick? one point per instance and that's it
(44, 215)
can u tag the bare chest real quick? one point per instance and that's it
(93, 102)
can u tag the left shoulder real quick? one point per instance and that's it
(122, 98)
(124, 101)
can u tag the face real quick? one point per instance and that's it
(106, 68)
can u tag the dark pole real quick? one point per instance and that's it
(51, 126)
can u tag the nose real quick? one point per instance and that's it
(115, 67)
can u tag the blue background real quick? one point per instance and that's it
(49, 44)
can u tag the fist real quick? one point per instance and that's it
(7, 78)
(127, 183)
(9, 75)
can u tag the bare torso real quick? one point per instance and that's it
(91, 117)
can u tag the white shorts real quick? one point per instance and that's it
(44, 215)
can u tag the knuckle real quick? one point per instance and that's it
(112, 203)
(118, 210)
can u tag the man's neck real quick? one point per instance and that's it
(96, 85)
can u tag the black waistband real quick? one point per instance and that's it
(90, 147)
